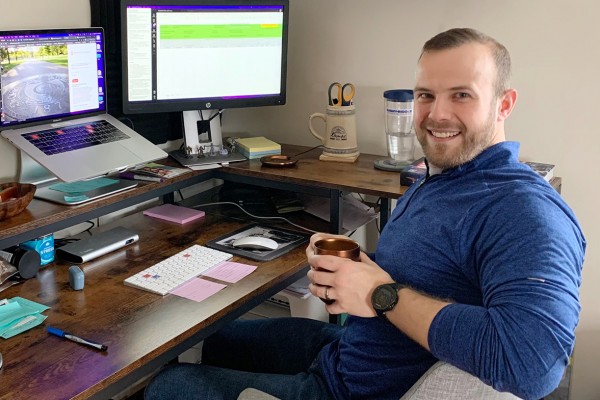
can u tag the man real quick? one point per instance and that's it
(479, 266)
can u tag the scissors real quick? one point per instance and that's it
(341, 99)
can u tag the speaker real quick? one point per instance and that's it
(28, 262)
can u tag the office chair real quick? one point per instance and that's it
(441, 382)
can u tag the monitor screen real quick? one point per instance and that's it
(181, 55)
(50, 75)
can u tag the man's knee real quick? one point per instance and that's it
(174, 382)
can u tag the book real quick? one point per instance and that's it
(413, 172)
(173, 213)
(546, 171)
(153, 172)
(134, 177)
(256, 147)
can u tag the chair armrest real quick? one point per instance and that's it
(254, 394)
(444, 381)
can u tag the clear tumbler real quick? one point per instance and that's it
(399, 125)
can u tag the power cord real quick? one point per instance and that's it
(252, 215)
(92, 225)
(63, 241)
(307, 151)
(216, 114)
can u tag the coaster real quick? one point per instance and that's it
(347, 158)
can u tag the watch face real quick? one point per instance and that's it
(384, 297)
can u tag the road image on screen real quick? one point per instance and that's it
(48, 75)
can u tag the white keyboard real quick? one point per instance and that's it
(172, 272)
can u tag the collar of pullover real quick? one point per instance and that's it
(494, 156)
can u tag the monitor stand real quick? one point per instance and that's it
(30, 171)
(203, 142)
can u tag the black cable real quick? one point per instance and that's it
(252, 215)
(64, 241)
(311, 149)
(217, 112)
(88, 230)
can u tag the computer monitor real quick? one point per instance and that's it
(203, 56)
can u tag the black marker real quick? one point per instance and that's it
(68, 336)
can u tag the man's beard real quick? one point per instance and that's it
(474, 142)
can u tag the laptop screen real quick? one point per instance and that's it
(50, 75)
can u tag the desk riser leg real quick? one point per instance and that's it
(336, 212)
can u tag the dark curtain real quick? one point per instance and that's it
(157, 127)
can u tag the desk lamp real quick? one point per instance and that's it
(398, 106)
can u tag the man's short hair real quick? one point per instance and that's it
(459, 36)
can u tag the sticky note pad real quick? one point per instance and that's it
(230, 271)
(173, 213)
(198, 289)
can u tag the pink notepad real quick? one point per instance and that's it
(173, 213)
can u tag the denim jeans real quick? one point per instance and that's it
(278, 356)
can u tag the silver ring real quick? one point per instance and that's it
(327, 293)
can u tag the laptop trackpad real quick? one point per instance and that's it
(113, 156)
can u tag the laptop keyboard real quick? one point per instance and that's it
(56, 141)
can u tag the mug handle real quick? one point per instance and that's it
(312, 131)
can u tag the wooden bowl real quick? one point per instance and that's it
(15, 197)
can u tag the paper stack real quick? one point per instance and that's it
(257, 147)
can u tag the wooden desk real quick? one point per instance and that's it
(142, 330)
(327, 179)
(42, 217)
(310, 175)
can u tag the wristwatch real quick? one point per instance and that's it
(385, 297)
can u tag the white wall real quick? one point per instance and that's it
(374, 44)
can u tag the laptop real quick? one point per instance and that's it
(53, 107)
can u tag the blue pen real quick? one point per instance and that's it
(68, 336)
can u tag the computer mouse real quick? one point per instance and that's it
(255, 243)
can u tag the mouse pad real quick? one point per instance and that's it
(286, 240)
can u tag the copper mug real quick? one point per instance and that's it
(345, 248)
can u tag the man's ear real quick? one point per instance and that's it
(507, 103)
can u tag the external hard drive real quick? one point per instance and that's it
(97, 245)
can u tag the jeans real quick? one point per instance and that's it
(278, 356)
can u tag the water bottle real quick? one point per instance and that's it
(399, 125)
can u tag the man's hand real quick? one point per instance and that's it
(351, 285)
(348, 282)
